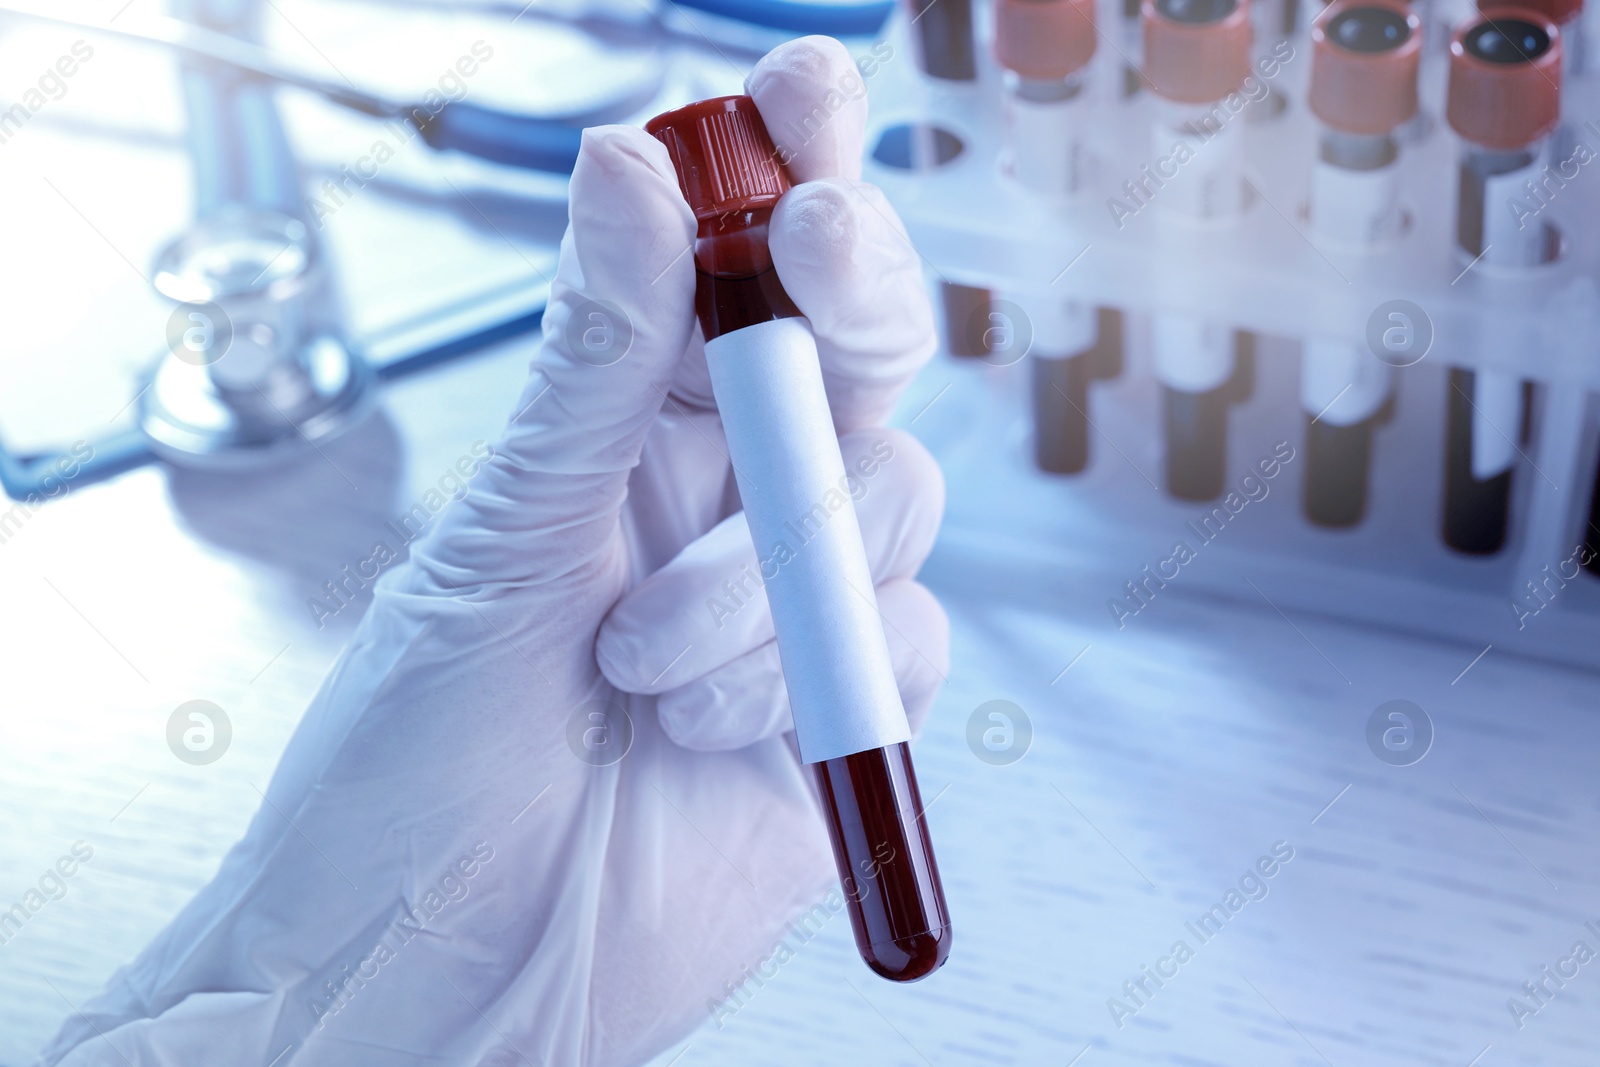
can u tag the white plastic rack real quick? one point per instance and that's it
(1267, 273)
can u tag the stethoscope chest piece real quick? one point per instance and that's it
(255, 371)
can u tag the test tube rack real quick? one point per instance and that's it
(1266, 273)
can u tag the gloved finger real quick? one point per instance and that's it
(814, 103)
(846, 260)
(745, 701)
(707, 607)
(619, 316)
(838, 246)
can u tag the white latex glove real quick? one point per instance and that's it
(566, 913)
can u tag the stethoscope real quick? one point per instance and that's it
(535, 142)
(258, 369)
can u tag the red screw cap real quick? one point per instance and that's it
(1196, 51)
(1044, 39)
(1364, 56)
(723, 155)
(1505, 76)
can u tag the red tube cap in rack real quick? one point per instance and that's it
(1196, 51)
(1046, 40)
(1505, 76)
(1364, 56)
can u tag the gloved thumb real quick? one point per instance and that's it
(620, 314)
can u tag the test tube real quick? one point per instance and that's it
(1504, 101)
(1196, 53)
(1591, 529)
(1364, 60)
(1044, 48)
(1274, 22)
(1061, 386)
(966, 317)
(1564, 160)
(1573, 19)
(848, 718)
(1130, 30)
(942, 35)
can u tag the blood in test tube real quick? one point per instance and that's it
(1061, 405)
(944, 39)
(1364, 60)
(968, 311)
(849, 722)
(1061, 393)
(1196, 54)
(1504, 102)
(1044, 48)
(1591, 530)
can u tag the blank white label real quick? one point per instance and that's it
(780, 434)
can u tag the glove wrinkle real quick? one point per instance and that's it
(708, 603)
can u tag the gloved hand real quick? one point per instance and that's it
(442, 872)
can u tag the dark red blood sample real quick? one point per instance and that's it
(885, 860)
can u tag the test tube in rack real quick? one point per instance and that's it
(943, 38)
(1504, 101)
(1044, 48)
(944, 46)
(1364, 61)
(1274, 22)
(1196, 54)
(1565, 161)
(1590, 535)
(1130, 31)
